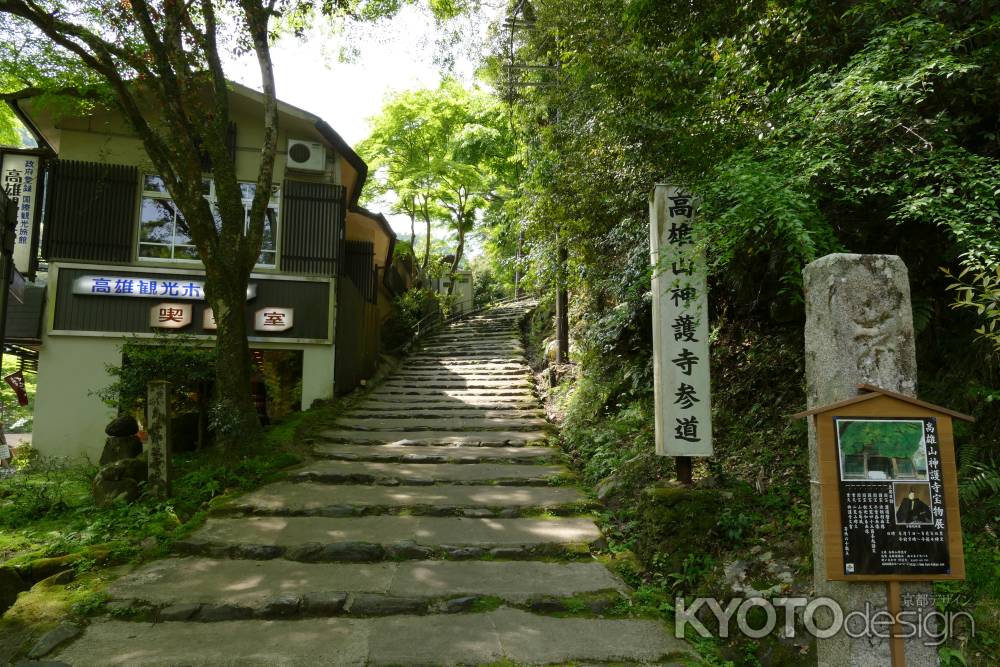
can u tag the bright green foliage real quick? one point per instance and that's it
(865, 126)
(890, 438)
(806, 128)
(980, 291)
(8, 128)
(443, 154)
(188, 367)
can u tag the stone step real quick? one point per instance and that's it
(446, 376)
(433, 350)
(456, 374)
(457, 383)
(457, 424)
(466, 353)
(420, 411)
(466, 366)
(450, 403)
(376, 472)
(523, 393)
(472, 340)
(309, 499)
(506, 635)
(376, 538)
(513, 362)
(205, 589)
(461, 339)
(488, 438)
(484, 358)
(475, 335)
(432, 454)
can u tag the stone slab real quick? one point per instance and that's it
(293, 531)
(291, 498)
(421, 411)
(429, 473)
(245, 583)
(339, 642)
(517, 366)
(451, 403)
(490, 438)
(458, 383)
(254, 584)
(514, 581)
(520, 392)
(465, 639)
(433, 454)
(463, 359)
(518, 637)
(457, 424)
(468, 376)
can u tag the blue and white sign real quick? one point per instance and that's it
(158, 286)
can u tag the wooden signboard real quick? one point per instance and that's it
(889, 489)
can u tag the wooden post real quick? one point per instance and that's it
(684, 469)
(896, 648)
(158, 430)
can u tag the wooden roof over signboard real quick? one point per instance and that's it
(871, 391)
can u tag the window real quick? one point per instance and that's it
(164, 234)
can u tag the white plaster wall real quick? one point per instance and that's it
(68, 420)
(317, 374)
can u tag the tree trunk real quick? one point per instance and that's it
(234, 416)
(413, 223)
(458, 258)
(427, 243)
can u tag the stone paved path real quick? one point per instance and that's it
(435, 527)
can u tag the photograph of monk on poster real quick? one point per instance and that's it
(913, 503)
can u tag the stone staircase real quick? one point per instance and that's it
(434, 527)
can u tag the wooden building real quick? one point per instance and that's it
(111, 257)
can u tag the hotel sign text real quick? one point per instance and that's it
(166, 286)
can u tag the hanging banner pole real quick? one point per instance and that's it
(682, 384)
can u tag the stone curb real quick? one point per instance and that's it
(323, 604)
(369, 552)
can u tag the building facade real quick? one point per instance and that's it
(117, 262)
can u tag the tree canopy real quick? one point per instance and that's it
(160, 64)
(444, 154)
(860, 126)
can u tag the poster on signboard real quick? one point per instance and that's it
(891, 496)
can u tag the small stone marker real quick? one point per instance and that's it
(158, 430)
(859, 331)
(681, 382)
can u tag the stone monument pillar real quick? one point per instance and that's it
(859, 330)
(158, 430)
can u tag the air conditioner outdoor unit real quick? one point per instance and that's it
(306, 155)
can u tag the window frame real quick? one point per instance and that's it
(208, 184)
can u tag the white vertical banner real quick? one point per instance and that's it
(682, 384)
(19, 179)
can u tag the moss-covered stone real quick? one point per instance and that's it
(675, 521)
(11, 584)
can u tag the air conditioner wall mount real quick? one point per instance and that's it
(305, 155)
